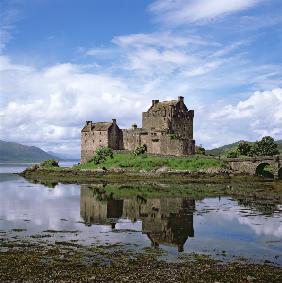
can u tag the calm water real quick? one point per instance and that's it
(217, 226)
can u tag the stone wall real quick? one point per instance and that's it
(131, 138)
(115, 137)
(90, 141)
(182, 125)
(155, 120)
(250, 165)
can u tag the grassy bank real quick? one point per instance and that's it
(149, 163)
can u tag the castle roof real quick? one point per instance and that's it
(166, 103)
(163, 104)
(99, 126)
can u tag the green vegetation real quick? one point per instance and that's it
(223, 150)
(149, 162)
(233, 153)
(101, 155)
(142, 149)
(265, 147)
(11, 151)
(244, 148)
(49, 163)
(200, 150)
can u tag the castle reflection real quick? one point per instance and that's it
(166, 221)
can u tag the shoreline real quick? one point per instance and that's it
(72, 175)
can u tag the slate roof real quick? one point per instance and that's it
(100, 126)
(164, 104)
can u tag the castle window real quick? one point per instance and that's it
(100, 141)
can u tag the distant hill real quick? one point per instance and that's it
(279, 142)
(12, 151)
(65, 156)
(222, 149)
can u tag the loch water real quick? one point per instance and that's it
(221, 226)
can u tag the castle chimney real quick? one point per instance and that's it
(134, 126)
(114, 121)
(154, 102)
(181, 98)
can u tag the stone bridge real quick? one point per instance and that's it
(254, 165)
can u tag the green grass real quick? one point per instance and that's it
(148, 163)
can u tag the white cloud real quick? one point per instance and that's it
(52, 104)
(8, 18)
(190, 11)
(250, 119)
(160, 39)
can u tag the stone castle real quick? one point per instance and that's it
(167, 129)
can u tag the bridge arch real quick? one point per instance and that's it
(260, 170)
(280, 173)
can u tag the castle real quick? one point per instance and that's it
(167, 129)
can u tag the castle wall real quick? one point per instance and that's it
(131, 139)
(90, 141)
(156, 120)
(182, 125)
(115, 137)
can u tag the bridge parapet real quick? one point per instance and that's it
(250, 165)
(255, 159)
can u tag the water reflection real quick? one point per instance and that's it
(164, 221)
(139, 215)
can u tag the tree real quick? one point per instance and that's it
(266, 146)
(245, 148)
(200, 150)
(232, 153)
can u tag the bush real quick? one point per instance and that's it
(140, 150)
(49, 163)
(101, 154)
(174, 136)
(233, 153)
(200, 150)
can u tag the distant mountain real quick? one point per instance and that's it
(222, 149)
(12, 151)
(64, 156)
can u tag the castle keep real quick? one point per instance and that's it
(167, 128)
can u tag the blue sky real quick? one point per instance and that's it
(64, 62)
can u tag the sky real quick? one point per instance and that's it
(64, 62)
